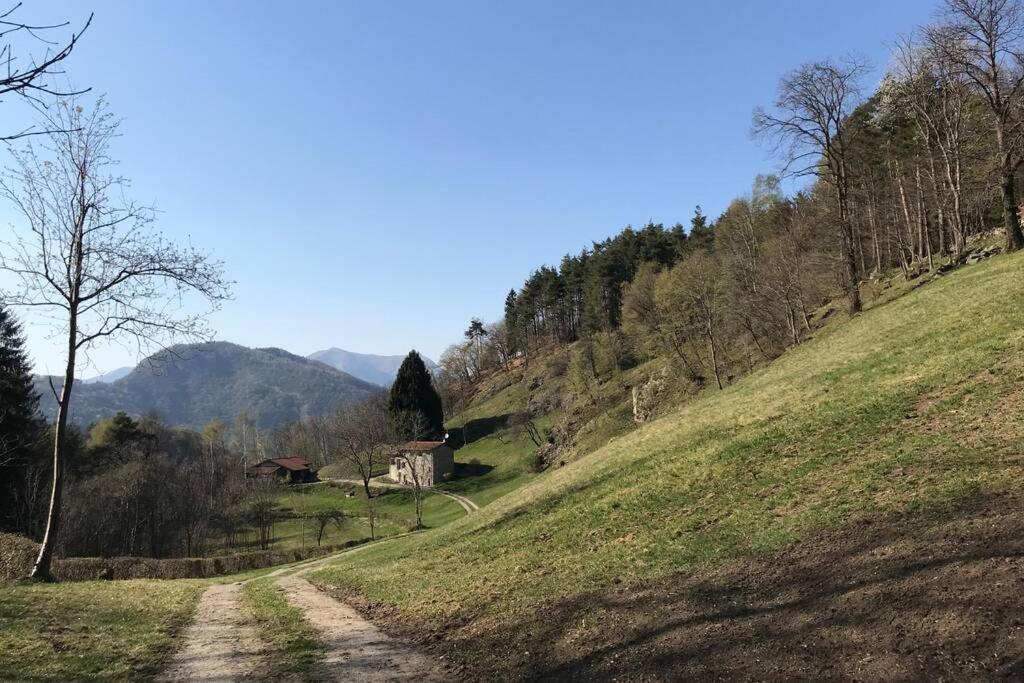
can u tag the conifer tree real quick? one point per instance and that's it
(18, 401)
(20, 425)
(413, 394)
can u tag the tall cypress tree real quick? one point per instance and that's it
(413, 393)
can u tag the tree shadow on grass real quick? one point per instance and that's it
(926, 597)
(474, 430)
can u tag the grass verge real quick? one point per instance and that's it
(297, 648)
(92, 630)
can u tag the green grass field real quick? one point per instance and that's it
(914, 405)
(395, 510)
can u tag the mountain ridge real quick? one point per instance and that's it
(191, 384)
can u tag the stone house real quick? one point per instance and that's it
(434, 461)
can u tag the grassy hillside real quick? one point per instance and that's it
(912, 408)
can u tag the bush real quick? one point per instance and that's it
(17, 554)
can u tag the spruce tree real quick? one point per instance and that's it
(20, 426)
(413, 393)
(19, 422)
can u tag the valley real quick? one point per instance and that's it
(726, 302)
(912, 499)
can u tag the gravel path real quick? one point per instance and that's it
(222, 644)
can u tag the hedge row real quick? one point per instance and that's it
(17, 555)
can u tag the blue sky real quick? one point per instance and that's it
(375, 173)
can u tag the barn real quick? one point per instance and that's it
(293, 470)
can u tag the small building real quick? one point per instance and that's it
(434, 461)
(293, 470)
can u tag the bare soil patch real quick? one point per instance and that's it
(935, 597)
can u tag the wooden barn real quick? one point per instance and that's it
(292, 470)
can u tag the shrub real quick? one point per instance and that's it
(17, 554)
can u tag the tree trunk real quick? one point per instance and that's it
(850, 255)
(714, 356)
(41, 569)
(1011, 219)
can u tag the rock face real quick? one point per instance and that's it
(645, 397)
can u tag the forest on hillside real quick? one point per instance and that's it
(898, 178)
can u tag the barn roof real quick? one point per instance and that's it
(292, 464)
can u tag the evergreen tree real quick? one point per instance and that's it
(512, 322)
(20, 425)
(19, 421)
(702, 233)
(413, 393)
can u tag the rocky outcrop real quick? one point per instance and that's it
(645, 397)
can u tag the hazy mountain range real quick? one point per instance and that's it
(380, 370)
(197, 383)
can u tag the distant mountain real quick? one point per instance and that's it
(379, 370)
(108, 377)
(197, 383)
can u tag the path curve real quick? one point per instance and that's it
(466, 504)
(221, 644)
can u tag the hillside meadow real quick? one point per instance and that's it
(912, 409)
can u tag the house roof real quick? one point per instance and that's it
(419, 446)
(292, 464)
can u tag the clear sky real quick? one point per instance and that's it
(375, 173)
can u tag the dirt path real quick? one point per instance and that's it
(222, 643)
(356, 649)
(466, 504)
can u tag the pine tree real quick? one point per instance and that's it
(413, 394)
(19, 404)
(20, 425)
(512, 322)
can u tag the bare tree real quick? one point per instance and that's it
(413, 426)
(984, 40)
(361, 433)
(809, 127)
(93, 261)
(324, 519)
(27, 75)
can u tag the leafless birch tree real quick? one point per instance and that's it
(92, 261)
